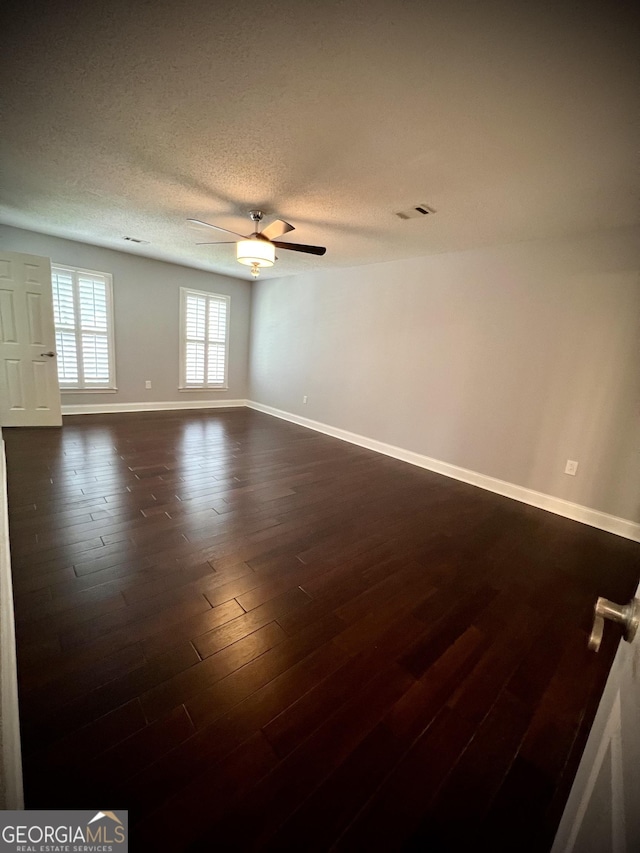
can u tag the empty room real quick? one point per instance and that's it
(320, 401)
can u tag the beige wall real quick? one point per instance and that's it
(507, 361)
(146, 309)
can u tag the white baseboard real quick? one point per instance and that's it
(109, 408)
(594, 518)
(11, 795)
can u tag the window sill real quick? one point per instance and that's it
(205, 388)
(88, 390)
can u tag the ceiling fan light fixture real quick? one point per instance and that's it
(254, 253)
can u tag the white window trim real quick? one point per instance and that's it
(73, 389)
(78, 388)
(182, 386)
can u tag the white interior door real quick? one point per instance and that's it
(603, 810)
(29, 392)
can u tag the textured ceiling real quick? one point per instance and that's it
(514, 120)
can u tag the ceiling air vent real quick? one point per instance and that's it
(415, 212)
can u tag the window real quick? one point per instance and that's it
(204, 339)
(83, 315)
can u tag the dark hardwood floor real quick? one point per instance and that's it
(255, 637)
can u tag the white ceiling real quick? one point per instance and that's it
(514, 120)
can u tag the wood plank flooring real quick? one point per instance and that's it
(256, 637)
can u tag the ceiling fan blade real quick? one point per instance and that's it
(300, 247)
(217, 227)
(277, 229)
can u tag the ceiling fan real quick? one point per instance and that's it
(258, 250)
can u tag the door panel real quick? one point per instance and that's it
(15, 396)
(29, 391)
(34, 313)
(41, 383)
(8, 331)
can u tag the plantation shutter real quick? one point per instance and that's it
(217, 341)
(205, 328)
(195, 319)
(92, 302)
(81, 308)
(64, 319)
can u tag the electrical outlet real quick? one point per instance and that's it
(147, 384)
(571, 467)
(305, 399)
